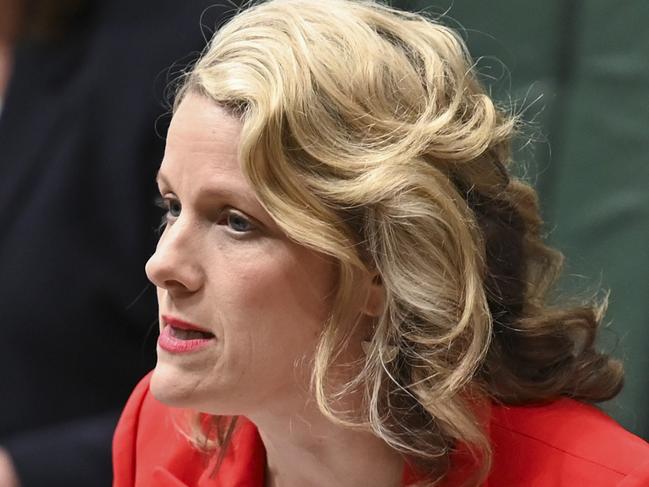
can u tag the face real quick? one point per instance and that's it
(241, 306)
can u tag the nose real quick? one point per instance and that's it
(175, 265)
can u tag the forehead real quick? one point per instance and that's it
(201, 118)
(202, 142)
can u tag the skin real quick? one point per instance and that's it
(265, 299)
(8, 477)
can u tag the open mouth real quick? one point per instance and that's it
(182, 334)
(177, 340)
(180, 337)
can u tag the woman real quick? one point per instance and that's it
(351, 285)
(61, 113)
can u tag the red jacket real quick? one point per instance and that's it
(563, 444)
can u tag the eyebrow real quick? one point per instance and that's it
(215, 191)
(223, 193)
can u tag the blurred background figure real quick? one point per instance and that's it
(81, 88)
(581, 70)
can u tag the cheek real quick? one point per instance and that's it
(275, 309)
(284, 283)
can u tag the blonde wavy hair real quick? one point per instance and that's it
(368, 137)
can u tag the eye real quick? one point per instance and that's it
(172, 209)
(236, 222)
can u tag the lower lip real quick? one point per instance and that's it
(170, 343)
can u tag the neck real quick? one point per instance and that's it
(308, 449)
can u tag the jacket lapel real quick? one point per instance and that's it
(245, 463)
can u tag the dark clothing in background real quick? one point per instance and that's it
(78, 156)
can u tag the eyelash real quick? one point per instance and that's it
(224, 216)
(161, 203)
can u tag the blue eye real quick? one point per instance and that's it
(172, 209)
(237, 222)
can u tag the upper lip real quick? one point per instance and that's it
(183, 325)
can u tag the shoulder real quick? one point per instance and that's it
(565, 443)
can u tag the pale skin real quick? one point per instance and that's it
(223, 264)
(8, 477)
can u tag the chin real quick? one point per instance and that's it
(169, 387)
(179, 388)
